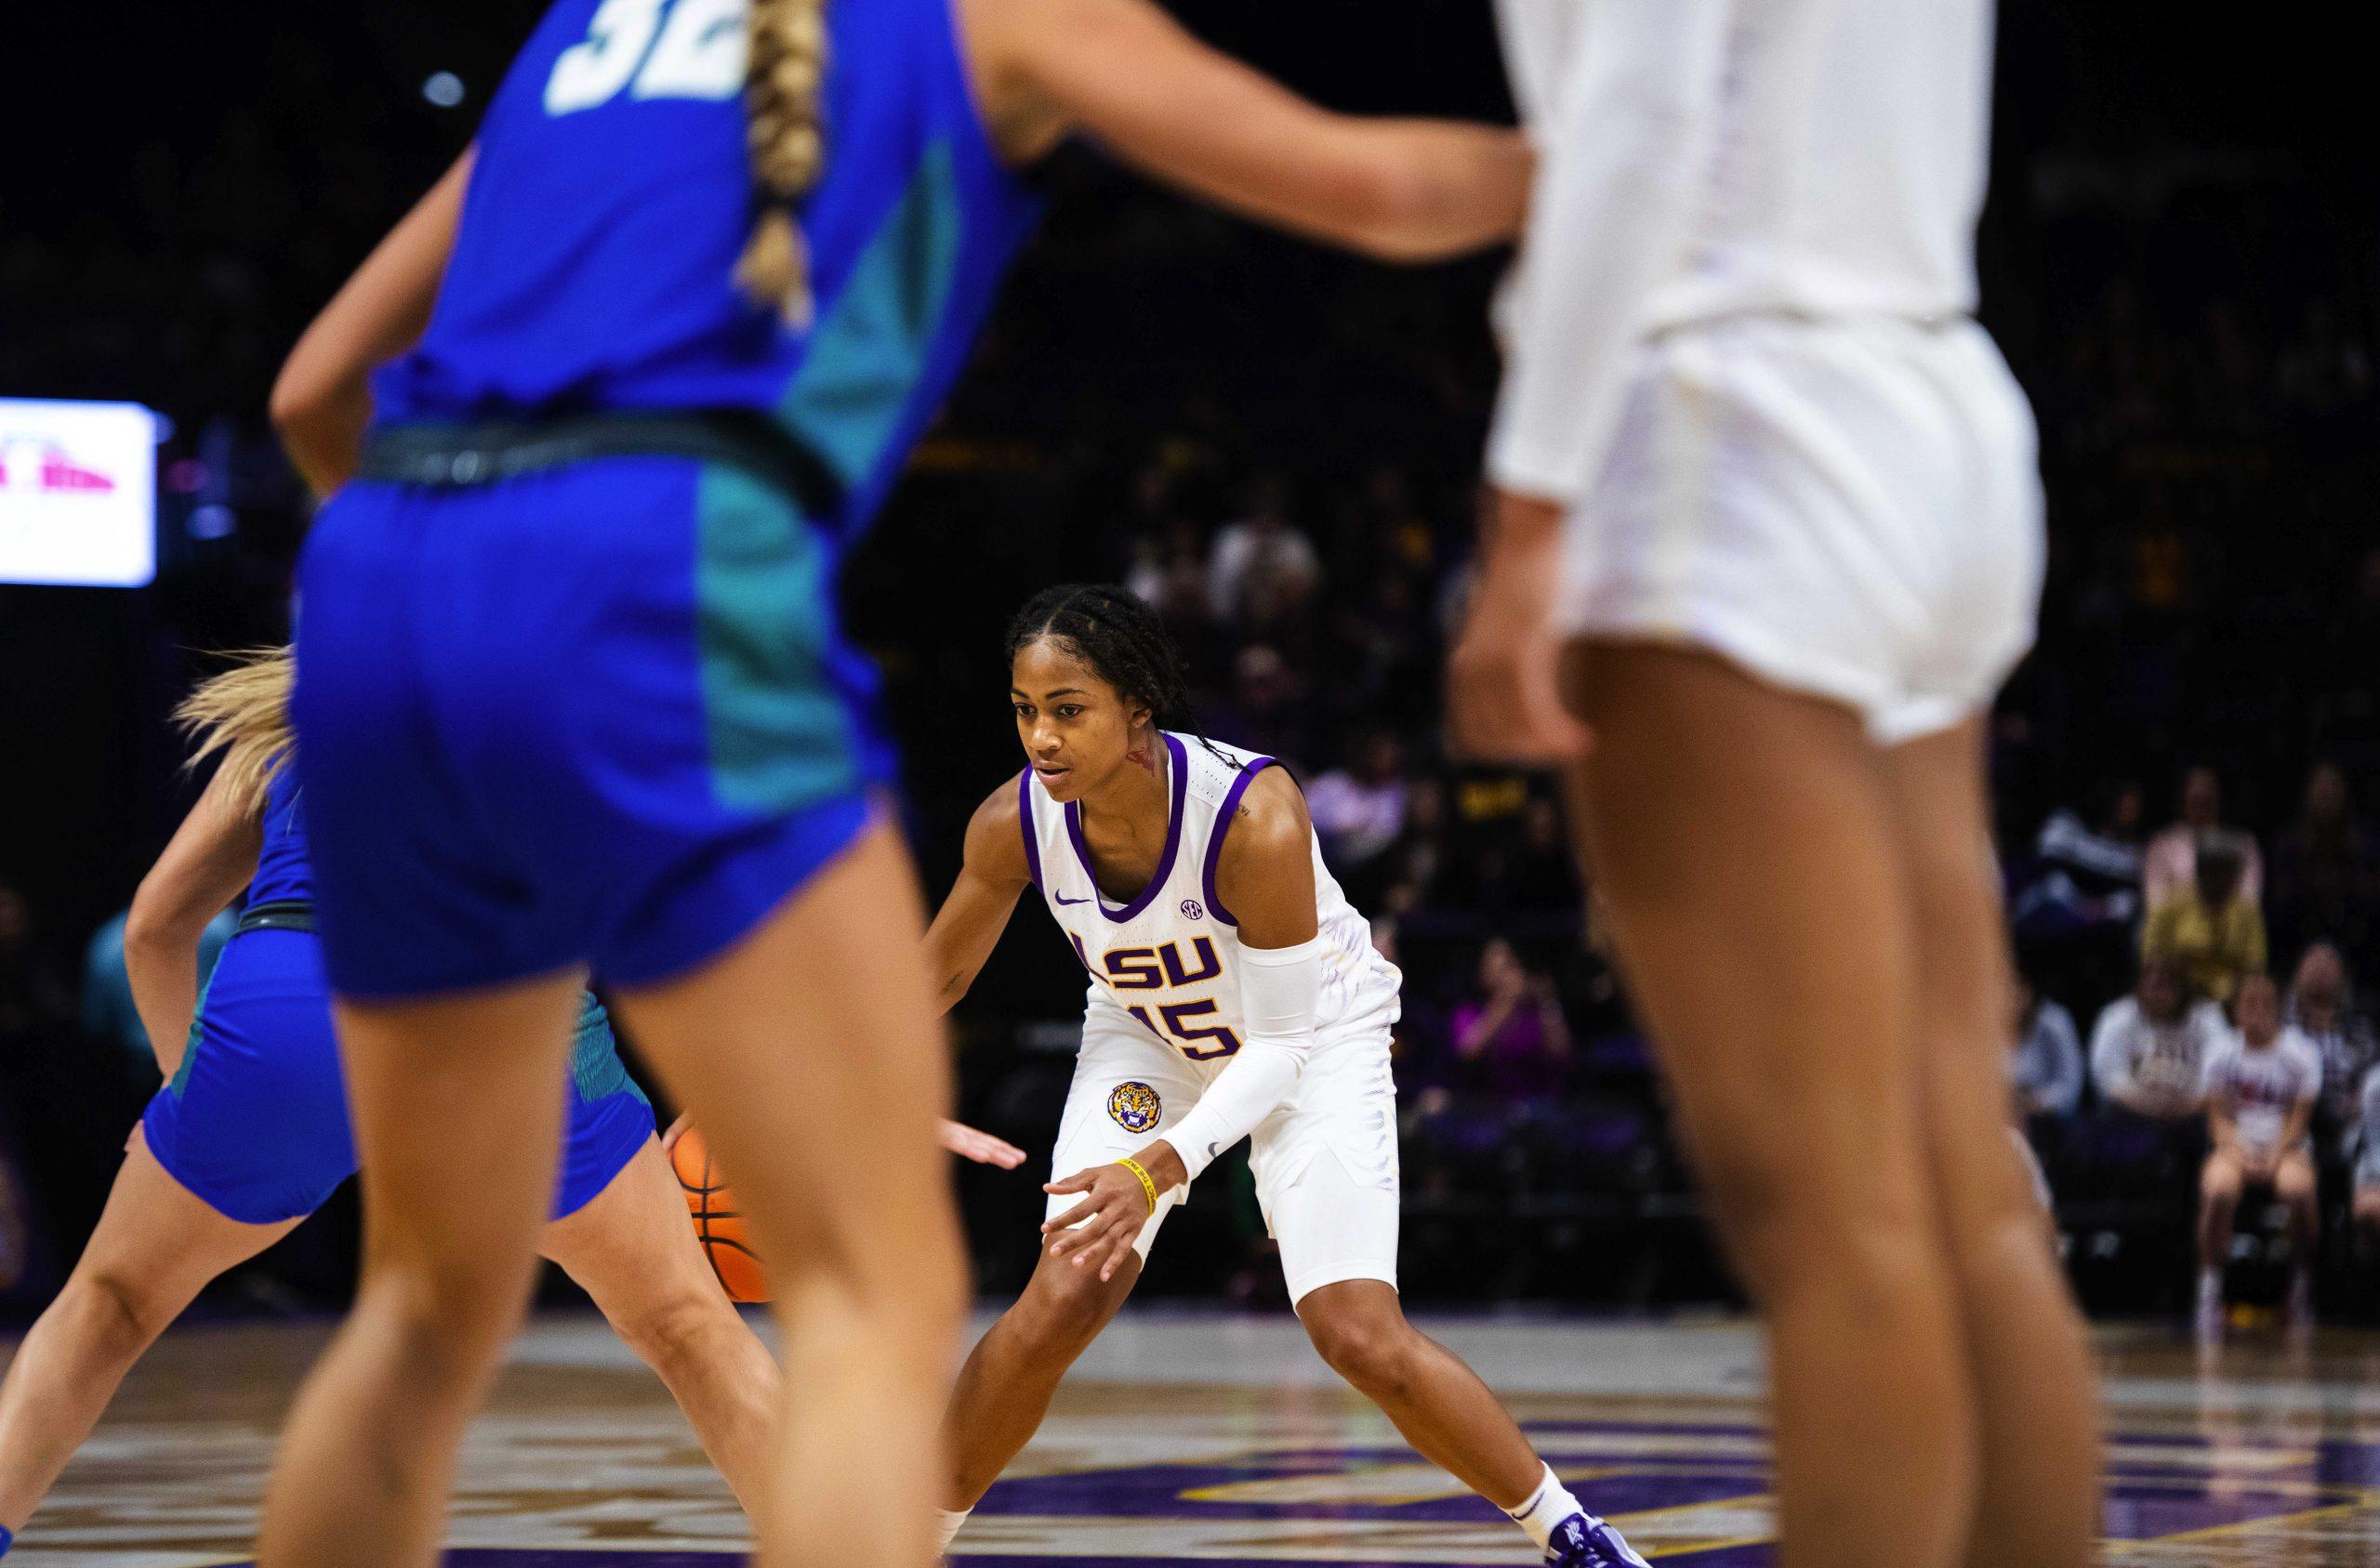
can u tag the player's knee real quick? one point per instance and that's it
(449, 1316)
(1372, 1351)
(127, 1309)
(1069, 1306)
(672, 1328)
(2219, 1184)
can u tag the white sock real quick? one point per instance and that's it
(1547, 1507)
(947, 1522)
(2210, 1285)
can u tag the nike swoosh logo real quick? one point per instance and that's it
(1063, 899)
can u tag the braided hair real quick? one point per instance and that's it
(784, 83)
(1123, 642)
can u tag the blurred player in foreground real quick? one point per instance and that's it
(250, 1134)
(1769, 540)
(572, 697)
(1235, 993)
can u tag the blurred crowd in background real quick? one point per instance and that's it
(1278, 450)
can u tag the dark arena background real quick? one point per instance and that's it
(2181, 260)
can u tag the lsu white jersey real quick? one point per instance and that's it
(1169, 958)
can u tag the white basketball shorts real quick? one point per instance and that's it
(1326, 1162)
(1848, 508)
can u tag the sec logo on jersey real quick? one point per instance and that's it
(1135, 1107)
(1190, 910)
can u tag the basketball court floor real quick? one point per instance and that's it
(1209, 1439)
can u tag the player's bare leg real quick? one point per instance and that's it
(1004, 1390)
(458, 1119)
(1742, 840)
(157, 1246)
(632, 1249)
(2039, 1504)
(810, 1057)
(1441, 1406)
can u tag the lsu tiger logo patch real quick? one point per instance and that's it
(1135, 1107)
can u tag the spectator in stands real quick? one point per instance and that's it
(2046, 1068)
(1267, 709)
(1512, 1042)
(2321, 1006)
(2171, 864)
(2150, 1050)
(2325, 870)
(2086, 875)
(1507, 1071)
(1359, 811)
(2211, 929)
(1261, 559)
(2262, 1082)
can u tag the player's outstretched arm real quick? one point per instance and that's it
(993, 875)
(1265, 878)
(322, 401)
(210, 858)
(1127, 75)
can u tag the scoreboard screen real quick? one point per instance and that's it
(78, 492)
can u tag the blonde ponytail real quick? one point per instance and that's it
(784, 97)
(243, 713)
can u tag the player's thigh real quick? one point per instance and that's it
(457, 1105)
(2221, 1179)
(2367, 1206)
(158, 1244)
(2292, 1179)
(1129, 1091)
(1740, 839)
(810, 1056)
(1941, 822)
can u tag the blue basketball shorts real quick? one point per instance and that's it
(600, 715)
(253, 1122)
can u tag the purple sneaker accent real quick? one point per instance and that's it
(1584, 1541)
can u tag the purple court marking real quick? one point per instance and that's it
(2178, 1487)
(517, 1557)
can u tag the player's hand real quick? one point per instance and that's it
(1503, 699)
(675, 1131)
(1098, 1233)
(980, 1147)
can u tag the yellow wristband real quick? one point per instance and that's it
(1148, 1182)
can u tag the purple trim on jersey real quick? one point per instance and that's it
(1165, 861)
(1024, 821)
(1247, 772)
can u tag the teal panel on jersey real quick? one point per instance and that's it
(190, 1046)
(596, 1069)
(780, 733)
(848, 398)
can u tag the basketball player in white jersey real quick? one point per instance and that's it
(1768, 539)
(1234, 994)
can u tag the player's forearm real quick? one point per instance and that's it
(1442, 188)
(163, 968)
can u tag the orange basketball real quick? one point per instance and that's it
(718, 1224)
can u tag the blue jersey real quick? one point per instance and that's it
(282, 868)
(613, 195)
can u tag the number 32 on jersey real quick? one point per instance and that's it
(653, 48)
(1163, 968)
